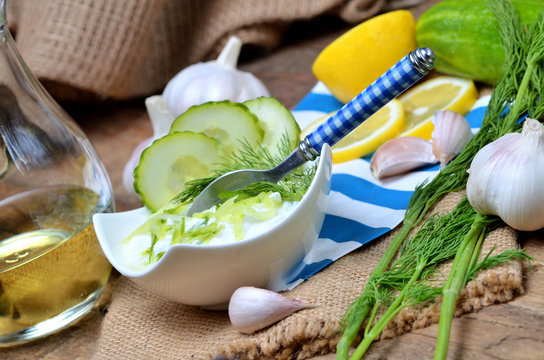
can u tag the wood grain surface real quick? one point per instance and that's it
(507, 331)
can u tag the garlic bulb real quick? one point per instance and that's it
(505, 178)
(450, 135)
(252, 309)
(159, 115)
(212, 81)
(400, 155)
(161, 120)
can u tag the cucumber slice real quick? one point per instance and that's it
(170, 162)
(229, 123)
(276, 121)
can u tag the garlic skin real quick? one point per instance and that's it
(213, 81)
(252, 309)
(161, 121)
(401, 155)
(506, 178)
(159, 115)
(128, 171)
(450, 135)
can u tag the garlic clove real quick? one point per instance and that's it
(505, 180)
(450, 135)
(161, 121)
(401, 155)
(252, 309)
(160, 116)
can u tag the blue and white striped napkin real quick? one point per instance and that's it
(361, 208)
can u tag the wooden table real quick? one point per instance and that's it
(514, 330)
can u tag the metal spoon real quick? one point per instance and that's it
(400, 77)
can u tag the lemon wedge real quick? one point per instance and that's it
(358, 57)
(440, 93)
(385, 124)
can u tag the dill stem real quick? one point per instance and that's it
(360, 314)
(388, 315)
(372, 317)
(465, 259)
(523, 88)
(475, 255)
(469, 250)
(454, 176)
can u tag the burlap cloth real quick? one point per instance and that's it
(128, 48)
(140, 325)
(88, 49)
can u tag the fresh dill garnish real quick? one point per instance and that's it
(292, 187)
(516, 94)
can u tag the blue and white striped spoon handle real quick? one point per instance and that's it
(400, 77)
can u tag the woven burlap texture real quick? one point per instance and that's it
(140, 325)
(130, 48)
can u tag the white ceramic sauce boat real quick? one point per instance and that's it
(207, 275)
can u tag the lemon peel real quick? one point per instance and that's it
(439, 93)
(384, 125)
(358, 57)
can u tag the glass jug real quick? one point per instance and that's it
(52, 269)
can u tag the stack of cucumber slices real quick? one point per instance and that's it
(204, 136)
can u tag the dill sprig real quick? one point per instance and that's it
(292, 187)
(411, 274)
(411, 280)
(526, 72)
(516, 94)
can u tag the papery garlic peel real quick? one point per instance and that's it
(252, 309)
(213, 81)
(161, 121)
(401, 155)
(450, 135)
(506, 178)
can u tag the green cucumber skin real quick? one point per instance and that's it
(154, 164)
(464, 37)
(271, 111)
(181, 123)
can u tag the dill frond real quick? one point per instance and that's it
(503, 257)
(292, 187)
(518, 93)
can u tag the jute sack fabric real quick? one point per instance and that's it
(121, 49)
(140, 325)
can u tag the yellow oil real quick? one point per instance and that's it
(50, 259)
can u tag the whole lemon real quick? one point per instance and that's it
(354, 60)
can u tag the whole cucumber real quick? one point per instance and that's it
(465, 39)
